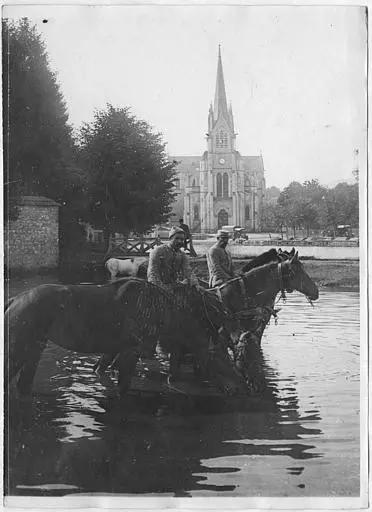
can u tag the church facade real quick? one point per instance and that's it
(222, 187)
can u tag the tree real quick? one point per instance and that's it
(313, 208)
(342, 205)
(273, 218)
(130, 178)
(291, 204)
(272, 195)
(38, 143)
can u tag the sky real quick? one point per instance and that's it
(295, 76)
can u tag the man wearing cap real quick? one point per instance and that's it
(186, 230)
(219, 260)
(168, 265)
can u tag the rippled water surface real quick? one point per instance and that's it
(301, 440)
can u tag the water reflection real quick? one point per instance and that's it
(77, 437)
(82, 435)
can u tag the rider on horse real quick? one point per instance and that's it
(219, 261)
(168, 265)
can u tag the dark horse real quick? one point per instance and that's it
(251, 297)
(124, 317)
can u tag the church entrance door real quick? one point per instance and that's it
(223, 218)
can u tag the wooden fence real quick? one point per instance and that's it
(139, 247)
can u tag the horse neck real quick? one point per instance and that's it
(263, 284)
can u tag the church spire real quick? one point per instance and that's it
(220, 102)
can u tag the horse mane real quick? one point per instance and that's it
(257, 271)
(266, 257)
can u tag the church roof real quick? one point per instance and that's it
(186, 162)
(253, 163)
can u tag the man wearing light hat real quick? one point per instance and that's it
(219, 260)
(168, 265)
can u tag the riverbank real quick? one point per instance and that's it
(310, 250)
(343, 274)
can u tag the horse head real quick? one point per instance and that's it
(249, 359)
(294, 277)
(223, 372)
(285, 255)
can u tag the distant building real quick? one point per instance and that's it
(32, 240)
(222, 187)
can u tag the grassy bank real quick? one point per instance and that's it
(88, 266)
(326, 273)
(329, 273)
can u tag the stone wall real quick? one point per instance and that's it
(31, 242)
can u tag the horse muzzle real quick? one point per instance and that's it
(315, 295)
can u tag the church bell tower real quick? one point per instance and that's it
(223, 187)
(219, 162)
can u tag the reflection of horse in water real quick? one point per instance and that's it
(126, 317)
(146, 447)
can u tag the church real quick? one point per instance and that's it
(222, 187)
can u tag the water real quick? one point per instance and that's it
(310, 251)
(75, 437)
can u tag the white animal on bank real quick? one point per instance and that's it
(124, 268)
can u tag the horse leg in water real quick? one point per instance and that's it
(106, 360)
(126, 364)
(28, 370)
(103, 363)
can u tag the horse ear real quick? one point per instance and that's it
(281, 255)
(294, 258)
(292, 252)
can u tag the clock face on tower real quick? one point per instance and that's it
(222, 160)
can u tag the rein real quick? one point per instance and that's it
(281, 283)
(247, 301)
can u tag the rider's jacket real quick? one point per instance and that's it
(167, 267)
(219, 265)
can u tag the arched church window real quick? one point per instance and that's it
(221, 139)
(219, 185)
(225, 185)
(247, 213)
(196, 212)
(193, 183)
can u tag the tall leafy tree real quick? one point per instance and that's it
(273, 217)
(291, 203)
(130, 177)
(313, 208)
(38, 143)
(272, 195)
(342, 204)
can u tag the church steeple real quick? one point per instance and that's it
(220, 102)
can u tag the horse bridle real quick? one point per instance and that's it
(284, 286)
(247, 302)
